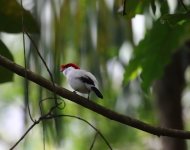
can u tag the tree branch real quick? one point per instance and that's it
(19, 70)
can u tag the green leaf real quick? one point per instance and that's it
(164, 7)
(134, 7)
(6, 75)
(11, 18)
(153, 53)
(175, 19)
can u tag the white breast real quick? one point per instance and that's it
(73, 76)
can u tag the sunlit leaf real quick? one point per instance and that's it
(6, 75)
(153, 53)
(134, 7)
(11, 18)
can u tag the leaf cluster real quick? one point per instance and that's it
(12, 18)
(155, 50)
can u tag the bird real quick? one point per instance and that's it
(80, 80)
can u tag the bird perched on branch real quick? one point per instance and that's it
(80, 80)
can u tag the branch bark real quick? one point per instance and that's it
(19, 70)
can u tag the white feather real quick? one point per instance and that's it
(73, 76)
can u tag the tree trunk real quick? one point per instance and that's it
(168, 92)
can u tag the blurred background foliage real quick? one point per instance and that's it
(125, 44)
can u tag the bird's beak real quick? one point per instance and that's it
(61, 70)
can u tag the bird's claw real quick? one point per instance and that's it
(75, 92)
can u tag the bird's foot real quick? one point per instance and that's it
(75, 92)
(88, 96)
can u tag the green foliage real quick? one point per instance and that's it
(11, 14)
(176, 19)
(136, 7)
(153, 53)
(164, 8)
(11, 18)
(6, 75)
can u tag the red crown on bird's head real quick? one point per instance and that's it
(63, 67)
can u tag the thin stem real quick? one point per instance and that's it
(25, 66)
(30, 128)
(124, 9)
(49, 116)
(94, 140)
(182, 3)
(71, 116)
(22, 137)
(47, 68)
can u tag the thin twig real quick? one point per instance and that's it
(34, 123)
(50, 116)
(182, 3)
(47, 68)
(43, 126)
(52, 80)
(124, 9)
(22, 137)
(49, 98)
(71, 116)
(25, 65)
(49, 113)
(94, 140)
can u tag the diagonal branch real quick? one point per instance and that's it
(19, 70)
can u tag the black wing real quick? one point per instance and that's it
(97, 92)
(87, 80)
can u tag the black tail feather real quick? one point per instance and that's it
(97, 92)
